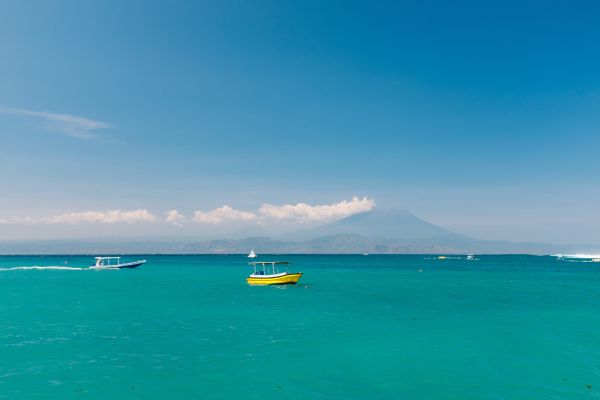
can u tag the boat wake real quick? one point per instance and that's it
(43, 268)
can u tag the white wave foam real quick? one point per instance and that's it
(35, 267)
(577, 255)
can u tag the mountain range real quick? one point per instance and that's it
(375, 232)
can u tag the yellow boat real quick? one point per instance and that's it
(267, 273)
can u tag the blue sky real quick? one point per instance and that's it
(480, 117)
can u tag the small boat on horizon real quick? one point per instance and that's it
(267, 273)
(252, 254)
(578, 257)
(115, 263)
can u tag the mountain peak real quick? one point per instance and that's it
(380, 223)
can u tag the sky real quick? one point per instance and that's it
(150, 118)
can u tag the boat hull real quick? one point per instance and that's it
(130, 265)
(280, 279)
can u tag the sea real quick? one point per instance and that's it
(354, 327)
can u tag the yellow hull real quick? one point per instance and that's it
(286, 279)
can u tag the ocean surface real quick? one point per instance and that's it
(355, 327)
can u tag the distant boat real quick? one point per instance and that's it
(115, 263)
(470, 256)
(267, 273)
(442, 257)
(252, 254)
(582, 257)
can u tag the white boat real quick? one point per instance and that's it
(115, 263)
(578, 257)
(252, 254)
(470, 256)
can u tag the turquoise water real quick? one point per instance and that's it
(357, 327)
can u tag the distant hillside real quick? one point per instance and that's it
(333, 244)
(356, 244)
(375, 232)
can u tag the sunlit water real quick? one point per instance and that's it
(356, 327)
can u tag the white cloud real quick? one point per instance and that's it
(305, 212)
(94, 217)
(108, 217)
(300, 212)
(70, 125)
(223, 214)
(17, 220)
(175, 217)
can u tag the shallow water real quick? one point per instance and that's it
(356, 327)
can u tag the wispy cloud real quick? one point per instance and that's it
(223, 214)
(18, 221)
(107, 217)
(94, 217)
(303, 212)
(66, 124)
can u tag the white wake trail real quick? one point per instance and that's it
(43, 268)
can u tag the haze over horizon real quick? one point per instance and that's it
(191, 118)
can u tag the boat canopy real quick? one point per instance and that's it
(268, 262)
(106, 261)
(264, 266)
